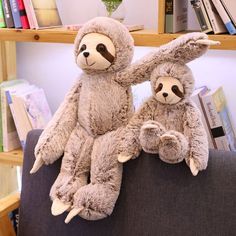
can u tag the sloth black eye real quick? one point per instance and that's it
(83, 47)
(160, 86)
(101, 48)
(175, 88)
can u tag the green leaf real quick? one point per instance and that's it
(111, 5)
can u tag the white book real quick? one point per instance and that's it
(9, 133)
(230, 6)
(214, 105)
(214, 17)
(224, 16)
(196, 98)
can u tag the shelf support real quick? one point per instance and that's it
(7, 60)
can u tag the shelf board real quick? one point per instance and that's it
(12, 158)
(141, 37)
(9, 204)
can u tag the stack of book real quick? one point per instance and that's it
(29, 14)
(23, 107)
(216, 16)
(215, 117)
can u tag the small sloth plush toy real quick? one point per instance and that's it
(168, 123)
(87, 126)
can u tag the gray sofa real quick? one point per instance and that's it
(155, 199)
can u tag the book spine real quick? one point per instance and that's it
(11, 105)
(224, 16)
(29, 14)
(169, 11)
(230, 7)
(216, 22)
(2, 20)
(202, 16)
(197, 100)
(35, 22)
(15, 13)
(7, 14)
(215, 123)
(23, 16)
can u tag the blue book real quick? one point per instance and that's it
(15, 13)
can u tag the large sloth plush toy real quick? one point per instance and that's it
(169, 123)
(87, 126)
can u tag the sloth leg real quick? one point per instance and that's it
(97, 199)
(74, 172)
(173, 147)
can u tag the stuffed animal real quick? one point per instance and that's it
(168, 123)
(87, 126)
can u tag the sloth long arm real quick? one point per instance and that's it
(183, 49)
(198, 143)
(52, 141)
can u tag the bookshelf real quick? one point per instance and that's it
(8, 37)
(141, 37)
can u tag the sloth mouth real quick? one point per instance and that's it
(89, 64)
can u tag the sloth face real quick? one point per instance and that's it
(96, 52)
(168, 90)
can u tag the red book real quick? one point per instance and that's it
(23, 16)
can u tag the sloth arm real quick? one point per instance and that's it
(52, 142)
(130, 144)
(197, 136)
(183, 49)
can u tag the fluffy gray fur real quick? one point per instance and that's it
(174, 131)
(86, 127)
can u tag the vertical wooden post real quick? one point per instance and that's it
(161, 16)
(7, 60)
(6, 228)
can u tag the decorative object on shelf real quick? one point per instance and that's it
(112, 8)
(87, 126)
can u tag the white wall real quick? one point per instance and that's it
(52, 67)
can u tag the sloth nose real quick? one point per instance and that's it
(86, 54)
(165, 95)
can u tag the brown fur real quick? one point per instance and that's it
(87, 125)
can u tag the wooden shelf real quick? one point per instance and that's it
(12, 158)
(9, 204)
(141, 38)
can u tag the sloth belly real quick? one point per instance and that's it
(104, 108)
(171, 119)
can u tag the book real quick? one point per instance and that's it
(7, 14)
(217, 113)
(15, 13)
(224, 16)
(9, 135)
(175, 15)
(202, 16)
(42, 14)
(29, 12)
(230, 6)
(30, 110)
(23, 16)
(197, 99)
(214, 17)
(2, 20)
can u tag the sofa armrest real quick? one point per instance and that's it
(9, 204)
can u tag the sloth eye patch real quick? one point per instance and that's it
(159, 88)
(102, 49)
(83, 48)
(176, 91)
